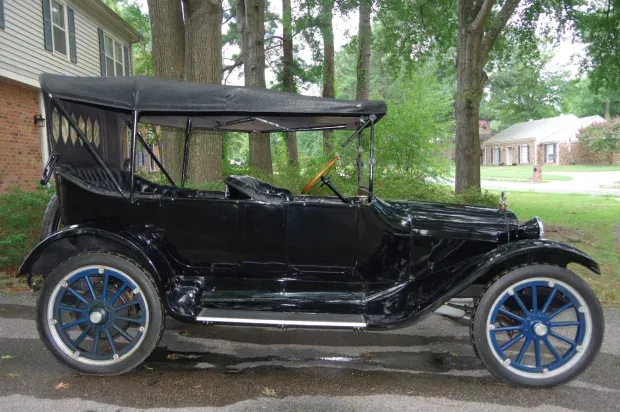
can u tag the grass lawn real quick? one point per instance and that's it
(582, 168)
(585, 222)
(515, 173)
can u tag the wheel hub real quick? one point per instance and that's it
(98, 316)
(540, 329)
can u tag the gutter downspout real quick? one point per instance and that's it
(44, 145)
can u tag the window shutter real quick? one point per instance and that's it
(519, 154)
(545, 159)
(101, 51)
(2, 14)
(72, 46)
(126, 52)
(47, 25)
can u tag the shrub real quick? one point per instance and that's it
(20, 217)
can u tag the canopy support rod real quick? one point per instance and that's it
(134, 132)
(362, 126)
(150, 152)
(371, 161)
(360, 162)
(188, 130)
(87, 144)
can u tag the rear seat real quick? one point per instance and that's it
(96, 178)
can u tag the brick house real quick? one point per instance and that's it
(546, 141)
(72, 37)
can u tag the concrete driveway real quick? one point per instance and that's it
(583, 182)
(427, 367)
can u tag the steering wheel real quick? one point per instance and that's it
(321, 173)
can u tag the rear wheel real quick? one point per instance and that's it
(537, 326)
(100, 314)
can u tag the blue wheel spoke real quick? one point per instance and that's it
(124, 334)
(520, 303)
(96, 342)
(132, 320)
(549, 300)
(560, 324)
(110, 340)
(71, 309)
(91, 289)
(507, 328)
(81, 337)
(117, 294)
(75, 323)
(511, 342)
(563, 338)
(551, 348)
(562, 309)
(104, 291)
(510, 315)
(523, 350)
(537, 353)
(77, 295)
(126, 305)
(534, 300)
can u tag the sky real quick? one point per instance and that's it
(566, 53)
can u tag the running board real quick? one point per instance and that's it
(252, 317)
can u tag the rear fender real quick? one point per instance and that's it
(141, 246)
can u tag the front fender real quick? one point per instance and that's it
(137, 244)
(532, 251)
(448, 283)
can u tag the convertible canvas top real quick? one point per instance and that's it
(211, 106)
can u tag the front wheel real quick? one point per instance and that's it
(100, 314)
(537, 326)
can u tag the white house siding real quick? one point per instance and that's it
(22, 50)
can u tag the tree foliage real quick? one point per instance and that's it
(603, 138)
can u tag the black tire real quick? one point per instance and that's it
(51, 218)
(505, 285)
(149, 336)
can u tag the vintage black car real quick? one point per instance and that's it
(131, 250)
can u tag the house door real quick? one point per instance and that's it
(509, 156)
(550, 153)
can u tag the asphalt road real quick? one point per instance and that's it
(427, 367)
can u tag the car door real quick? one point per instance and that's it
(321, 239)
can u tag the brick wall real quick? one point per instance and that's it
(583, 156)
(503, 148)
(20, 139)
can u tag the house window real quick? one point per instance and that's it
(59, 27)
(550, 153)
(524, 154)
(114, 58)
(496, 156)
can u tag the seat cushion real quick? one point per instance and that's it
(257, 189)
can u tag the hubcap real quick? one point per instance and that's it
(97, 316)
(540, 329)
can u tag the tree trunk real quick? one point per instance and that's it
(168, 38)
(364, 39)
(470, 80)
(251, 28)
(288, 79)
(327, 32)
(607, 110)
(203, 63)
(476, 37)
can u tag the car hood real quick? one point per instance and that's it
(450, 220)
